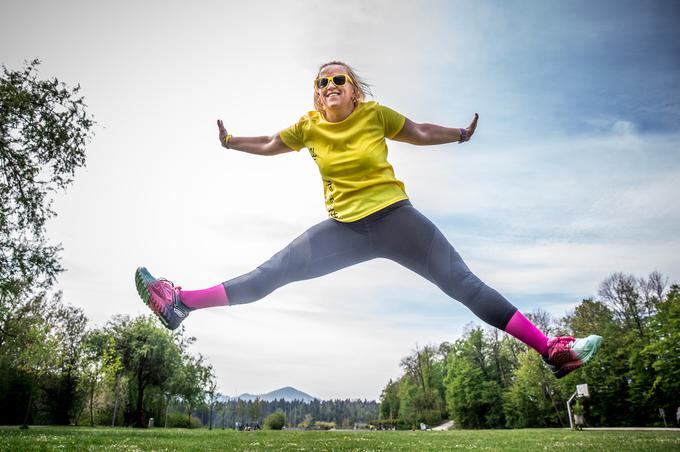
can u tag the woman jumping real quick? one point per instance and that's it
(370, 216)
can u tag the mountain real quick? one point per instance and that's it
(288, 394)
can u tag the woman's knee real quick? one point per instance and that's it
(462, 285)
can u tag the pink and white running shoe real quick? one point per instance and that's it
(162, 297)
(566, 354)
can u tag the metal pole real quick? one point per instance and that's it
(115, 405)
(571, 419)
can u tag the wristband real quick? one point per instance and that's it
(226, 140)
(463, 136)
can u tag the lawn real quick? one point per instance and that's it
(101, 439)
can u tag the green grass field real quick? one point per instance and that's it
(102, 439)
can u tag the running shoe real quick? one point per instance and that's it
(162, 297)
(566, 354)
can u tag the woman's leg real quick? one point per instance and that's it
(409, 238)
(322, 249)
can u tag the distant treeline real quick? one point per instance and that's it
(488, 379)
(298, 414)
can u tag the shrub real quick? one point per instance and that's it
(321, 425)
(180, 420)
(274, 421)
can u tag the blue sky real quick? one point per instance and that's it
(575, 62)
(571, 176)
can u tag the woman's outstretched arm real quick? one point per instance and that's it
(424, 134)
(272, 145)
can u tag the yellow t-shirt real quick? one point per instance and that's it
(352, 158)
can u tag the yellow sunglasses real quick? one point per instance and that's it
(338, 80)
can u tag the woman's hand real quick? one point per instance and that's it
(223, 133)
(471, 128)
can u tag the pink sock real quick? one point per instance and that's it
(521, 328)
(206, 298)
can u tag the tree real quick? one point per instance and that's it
(43, 132)
(274, 421)
(389, 400)
(503, 351)
(655, 369)
(212, 400)
(632, 317)
(606, 374)
(255, 410)
(68, 325)
(149, 355)
(633, 300)
(653, 290)
(25, 355)
(421, 389)
(473, 399)
(191, 378)
(100, 365)
(240, 411)
(534, 399)
(36, 359)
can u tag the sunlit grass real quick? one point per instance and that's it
(103, 439)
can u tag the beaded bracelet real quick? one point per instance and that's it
(463, 136)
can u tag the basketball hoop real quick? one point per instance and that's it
(581, 391)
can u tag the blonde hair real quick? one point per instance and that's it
(360, 87)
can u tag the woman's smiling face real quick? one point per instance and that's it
(333, 97)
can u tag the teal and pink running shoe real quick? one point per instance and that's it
(162, 297)
(566, 354)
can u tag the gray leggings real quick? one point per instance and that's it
(398, 232)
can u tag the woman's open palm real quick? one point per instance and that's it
(471, 128)
(223, 131)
